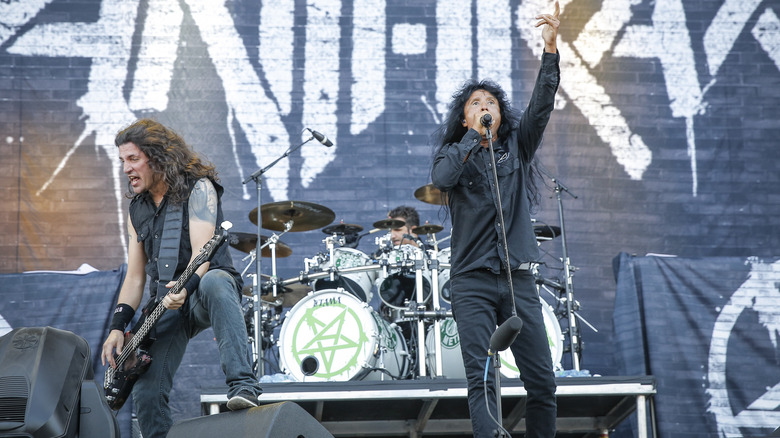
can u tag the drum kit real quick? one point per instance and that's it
(349, 315)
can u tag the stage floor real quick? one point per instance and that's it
(587, 406)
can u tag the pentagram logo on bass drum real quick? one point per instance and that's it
(755, 306)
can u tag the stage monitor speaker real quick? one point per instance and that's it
(278, 420)
(43, 375)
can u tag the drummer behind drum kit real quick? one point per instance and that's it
(331, 331)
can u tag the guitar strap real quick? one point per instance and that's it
(168, 257)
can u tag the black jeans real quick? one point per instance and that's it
(480, 301)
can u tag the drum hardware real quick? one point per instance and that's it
(573, 332)
(430, 195)
(280, 213)
(346, 234)
(546, 284)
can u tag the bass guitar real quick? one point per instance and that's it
(134, 360)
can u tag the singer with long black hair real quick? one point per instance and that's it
(481, 298)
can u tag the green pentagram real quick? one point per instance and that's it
(335, 340)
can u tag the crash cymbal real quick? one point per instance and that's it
(246, 242)
(427, 229)
(342, 228)
(546, 232)
(389, 224)
(431, 195)
(305, 215)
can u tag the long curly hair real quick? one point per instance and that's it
(170, 157)
(452, 130)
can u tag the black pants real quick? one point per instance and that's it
(480, 301)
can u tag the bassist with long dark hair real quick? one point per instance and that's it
(175, 209)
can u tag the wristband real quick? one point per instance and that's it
(192, 283)
(123, 314)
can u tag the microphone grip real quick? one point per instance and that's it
(505, 334)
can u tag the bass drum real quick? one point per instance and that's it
(358, 284)
(554, 339)
(452, 361)
(332, 336)
(399, 285)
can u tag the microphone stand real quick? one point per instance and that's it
(574, 335)
(500, 214)
(257, 284)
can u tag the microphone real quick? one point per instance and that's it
(414, 239)
(321, 138)
(505, 334)
(486, 120)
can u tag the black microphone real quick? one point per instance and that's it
(505, 334)
(486, 120)
(321, 138)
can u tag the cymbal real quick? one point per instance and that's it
(305, 215)
(389, 224)
(342, 229)
(246, 242)
(289, 294)
(431, 195)
(427, 229)
(546, 232)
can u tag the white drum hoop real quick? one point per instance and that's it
(358, 283)
(445, 291)
(331, 335)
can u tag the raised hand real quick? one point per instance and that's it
(550, 29)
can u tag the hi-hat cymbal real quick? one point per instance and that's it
(546, 232)
(342, 229)
(246, 242)
(305, 215)
(289, 295)
(389, 224)
(427, 229)
(431, 195)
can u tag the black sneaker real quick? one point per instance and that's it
(243, 400)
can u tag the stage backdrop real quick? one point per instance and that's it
(666, 124)
(707, 329)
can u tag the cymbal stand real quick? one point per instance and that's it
(257, 177)
(575, 344)
(546, 284)
(433, 268)
(420, 297)
(257, 291)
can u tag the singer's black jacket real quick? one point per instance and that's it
(476, 238)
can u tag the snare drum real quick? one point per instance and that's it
(452, 361)
(332, 336)
(398, 284)
(358, 283)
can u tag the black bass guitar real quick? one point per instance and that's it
(134, 360)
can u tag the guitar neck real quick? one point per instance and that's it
(205, 254)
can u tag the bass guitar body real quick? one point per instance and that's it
(119, 389)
